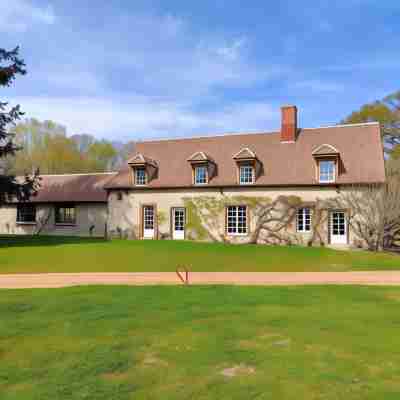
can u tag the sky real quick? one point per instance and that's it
(134, 70)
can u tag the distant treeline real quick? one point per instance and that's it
(45, 145)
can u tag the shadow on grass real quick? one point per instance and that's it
(7, 241)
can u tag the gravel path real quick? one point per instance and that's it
(201, 278)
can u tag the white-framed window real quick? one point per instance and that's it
(26, 213)
(179, 219)
(148, 217)
(140, 176)
(200, 175)
(327, 171)
(236, 220)
(304, 220)
(246, 174)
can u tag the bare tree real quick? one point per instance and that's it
(273, 220)
(374, 211)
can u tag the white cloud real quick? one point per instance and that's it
(155, 55)
(231, 51)
(165, 54)
(139, 117)
(153, 76)
(20, 15)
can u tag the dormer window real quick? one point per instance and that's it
(140, 176)
(144, 169)
(246, 174)
(327, 171)
(203, 168)
(327, 159)
(200, 175)
(246, 161)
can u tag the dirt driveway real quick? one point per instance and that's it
(201, 278)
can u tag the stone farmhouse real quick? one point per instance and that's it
(267, 187)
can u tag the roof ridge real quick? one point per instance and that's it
(343, 125)
(78, 174)
(226, 134)
(176, 139)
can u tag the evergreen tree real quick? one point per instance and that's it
(11, 66)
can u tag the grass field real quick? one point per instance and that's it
(200, 343)
(60, 254)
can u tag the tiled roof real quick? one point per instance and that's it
(360, 146)
(73, 188)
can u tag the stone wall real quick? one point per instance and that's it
(91, 219)
(125, 215)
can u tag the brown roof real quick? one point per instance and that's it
(360, 147)
(73, 188)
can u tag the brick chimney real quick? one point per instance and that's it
(289, 124)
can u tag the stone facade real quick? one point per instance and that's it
(125, 215)
(91, 219)
(236, 188)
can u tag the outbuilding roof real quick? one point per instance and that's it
(72, 188)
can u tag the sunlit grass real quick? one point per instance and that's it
(57, 254)
(200, 343)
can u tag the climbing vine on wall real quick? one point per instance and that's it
(273, 221)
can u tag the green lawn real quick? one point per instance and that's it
(60, 254)
(200, 343)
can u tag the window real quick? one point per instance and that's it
(148, 218)
(246, 174)
(327, 171)
(303, 220)
(179, 219)
(65, 214)
(200, 175)
(140, 176)
(26, 213)
(237, 220)
(119, 196)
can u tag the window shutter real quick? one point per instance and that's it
(155, 221)
(141, 225)
(329, 225)
(248, 219)
(171, 222)
(226, 220)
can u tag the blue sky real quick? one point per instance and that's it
(142, 69)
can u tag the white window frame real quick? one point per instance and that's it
(302, 215)
(197, 168)
(330, 177)
(148, 217)
(246, 167)
(233, 212)
(137, 180)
